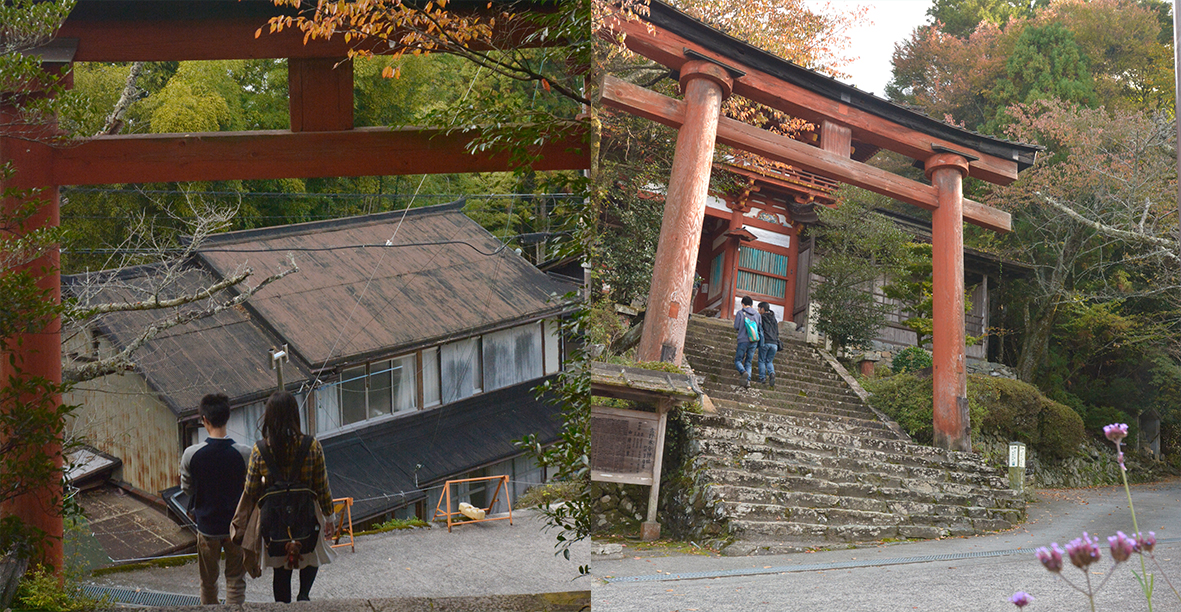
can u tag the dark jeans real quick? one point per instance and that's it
(282, 583)
(766, 354)
(743, 357)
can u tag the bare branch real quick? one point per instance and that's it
(122, 362)
(1168, 247)
(115, 120)
(157, 303)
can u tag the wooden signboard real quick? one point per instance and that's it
(624, 445)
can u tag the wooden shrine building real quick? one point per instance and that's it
(712, 66)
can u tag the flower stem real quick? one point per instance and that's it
(1164, 575)
(1090, 591)
(1145, 583)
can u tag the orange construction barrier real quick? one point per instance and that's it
(343, 509)
(443, 508)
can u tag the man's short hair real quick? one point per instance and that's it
(216, 408)
(746, 301)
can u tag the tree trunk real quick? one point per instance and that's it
(12, 569)
(1036, 342)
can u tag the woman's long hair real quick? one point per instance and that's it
(280, 425)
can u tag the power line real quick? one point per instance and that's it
(353, 195)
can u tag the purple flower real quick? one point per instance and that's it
(1116, 432)
(1122, 546)
(1020, 599)
(1145, 542)
(1051, 557)
(1083, 551)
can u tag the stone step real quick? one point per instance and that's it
(731, 487)
(753, 400)
(808, 463)
(752, 532)
(931, 516)
(794, 470)
(754, 419)
(786, 387)
(738, 445)
(719, 359)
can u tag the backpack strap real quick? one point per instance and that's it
(301, 453)
(264, 452)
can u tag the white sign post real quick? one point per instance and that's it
(1017, 466)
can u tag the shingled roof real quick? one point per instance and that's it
(397, 279)
(441, 276)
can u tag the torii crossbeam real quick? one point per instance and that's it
(713, 66)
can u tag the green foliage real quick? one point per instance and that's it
(907, 400)
(914, 289)
(1045, 64)
(603, 324)
(569, 457)
(551, 493)
(962, 17)
(997, 406)
(399, 524)
(856, 248)
(42, 590)
(910, 359)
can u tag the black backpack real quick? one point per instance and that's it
(287, 506)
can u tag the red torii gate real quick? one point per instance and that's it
(712, 66)
(321, 142)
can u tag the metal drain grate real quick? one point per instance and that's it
(831, 566)
(141, 598)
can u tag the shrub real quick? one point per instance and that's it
(910, 359)
(1007, 408)
(41, 590)
(907, 400)
(1011, 408)
(1061, 429)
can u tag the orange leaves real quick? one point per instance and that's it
(391, 72)
(388, 27)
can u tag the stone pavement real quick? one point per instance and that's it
(477, 560)
(970, 573)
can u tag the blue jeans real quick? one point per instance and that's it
(744, 356)
(766, 354)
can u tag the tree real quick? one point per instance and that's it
(913, 288)
(962, 17)
(971, 77)
(855, 250)
(1095, 217)
(1046, 64)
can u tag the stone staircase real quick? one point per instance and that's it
(809, 464)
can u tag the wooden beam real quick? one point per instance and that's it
(321, 94)
(669, 49)
(128, 31)
(282, 154)
(633, 99)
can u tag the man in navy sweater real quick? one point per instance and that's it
(213, 474)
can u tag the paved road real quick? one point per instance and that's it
(481, 559)
(975, 573)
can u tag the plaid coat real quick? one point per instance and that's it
(313, 473)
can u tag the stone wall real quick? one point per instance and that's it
(1094, 465)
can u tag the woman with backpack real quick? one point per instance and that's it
(283, 510)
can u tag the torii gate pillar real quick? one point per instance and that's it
(38, 353)
(705, 85)
(952, 426)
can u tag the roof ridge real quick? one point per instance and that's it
(308, 227)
